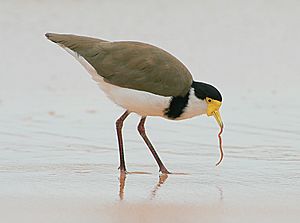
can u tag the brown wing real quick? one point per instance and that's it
(132, 65)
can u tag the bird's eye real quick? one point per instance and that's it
(209, 100)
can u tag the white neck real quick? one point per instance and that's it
(195, 107)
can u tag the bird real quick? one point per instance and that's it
(143, 79)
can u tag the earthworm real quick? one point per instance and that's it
(221, 149)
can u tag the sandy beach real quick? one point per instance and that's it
(58, 146)
(70, 210)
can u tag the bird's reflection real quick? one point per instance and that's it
(122, 180)
(220, 189)
(161, 180)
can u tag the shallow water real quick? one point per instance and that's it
(57, 138)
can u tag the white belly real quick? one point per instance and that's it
(140, 102)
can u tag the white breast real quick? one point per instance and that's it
(140, 102)
(194, 107)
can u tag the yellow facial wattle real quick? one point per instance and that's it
(213, 107)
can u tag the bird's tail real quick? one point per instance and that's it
(78, 44)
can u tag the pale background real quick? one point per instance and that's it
(59, 154)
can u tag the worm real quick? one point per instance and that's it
(221, 149)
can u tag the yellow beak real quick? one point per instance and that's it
(218, 118)
(213, 107)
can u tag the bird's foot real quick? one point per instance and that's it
(123, 171)
(164, 170)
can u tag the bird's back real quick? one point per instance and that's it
(129, 64)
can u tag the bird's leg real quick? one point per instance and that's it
(141, 129)
(119, 125)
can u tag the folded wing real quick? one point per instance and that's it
(131, 65)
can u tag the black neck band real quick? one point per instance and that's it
(177, 106)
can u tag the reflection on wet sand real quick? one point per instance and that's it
(220, 193)
(122, 179)
(161, 180)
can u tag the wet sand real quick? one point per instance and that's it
(58, 146)
(89, 211)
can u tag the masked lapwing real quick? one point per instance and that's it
(142, 79)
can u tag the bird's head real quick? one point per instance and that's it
(212, 97)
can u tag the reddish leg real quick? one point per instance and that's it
(141, 129)
(119, 125)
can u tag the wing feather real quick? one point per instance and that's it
(130, 64)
